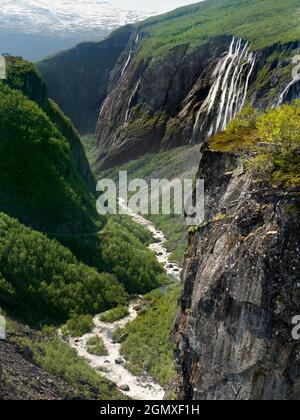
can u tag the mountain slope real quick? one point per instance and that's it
(23, 76)
(39, 366)
(86, 66)
(183, 43)
(41, 281)
(59, 260)
(40, 183)
(46, 182)
(185, 75)
(262, 22)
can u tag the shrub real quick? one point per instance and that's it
(118, 334)
(269, 144)
(148, 346)
(115, 314)
(79, 325)
(95, 346)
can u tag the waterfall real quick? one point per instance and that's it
(228, 92)
(104, 105)
(128, 112)
(286, 91)
(131, 52)
(127, 62)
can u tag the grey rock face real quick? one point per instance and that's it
(240, 291)
(156, 104)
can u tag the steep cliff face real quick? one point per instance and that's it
(240, 291)
(77, 78)
(187, 95)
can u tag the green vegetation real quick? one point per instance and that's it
(57, 357)
(115, 314)
(41, 281)
(45, 184)
(144, 123)
(59, 262)
(273, 140)
(22, 75)
(262, 22)
(166, 164)
(265, 78)
(126, 256)
(78, 326)
(46, 179)
(148, 346)
(240, 136)
(39, 182)
(91, 147)
(96, 346)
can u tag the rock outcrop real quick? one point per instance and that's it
(240, 291)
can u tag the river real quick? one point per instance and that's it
(112, 366)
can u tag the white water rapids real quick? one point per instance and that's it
(138, 387)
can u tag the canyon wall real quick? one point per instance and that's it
(188, 95)
(240, 291)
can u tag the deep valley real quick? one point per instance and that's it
(147, 306)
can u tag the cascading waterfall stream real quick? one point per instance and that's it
(126, 63)
(123, 71)
(286, 91)
(228, 93)
(129, 107)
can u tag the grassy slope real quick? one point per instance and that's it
(263, 22)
